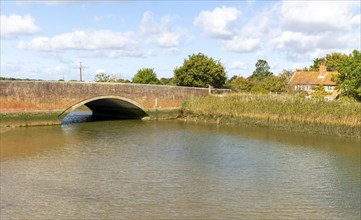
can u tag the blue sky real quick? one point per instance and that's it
(48, 39)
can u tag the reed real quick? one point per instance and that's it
(279, 111)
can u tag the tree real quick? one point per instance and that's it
(200, 70)
(316, 64)
(146, 76)
(349, 68)
(349, 80)
(101, 77)
(241, 84)
(262, 70)
(274, 84)
(167, 81)
(286, 75)
(320, 92)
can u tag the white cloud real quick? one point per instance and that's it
(310, 29)
(16, 25)
(217, 23)
(161, 33)
(117, 44)
(122, 53)
(356, 21)
(82, 40)
(241, 45)
(317, 16)
(251, 36)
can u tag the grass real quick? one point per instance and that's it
(279, 111)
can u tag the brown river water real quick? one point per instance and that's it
(176, 170)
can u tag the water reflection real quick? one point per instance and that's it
(174, 170)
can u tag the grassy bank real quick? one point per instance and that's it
(281, 112)
(29, 119)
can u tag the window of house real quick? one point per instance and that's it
(308, 87)
(329, 88)
(298, 87)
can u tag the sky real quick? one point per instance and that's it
(48, 39)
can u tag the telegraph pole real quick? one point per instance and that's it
(81, 73)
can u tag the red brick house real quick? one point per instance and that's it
(307, 80)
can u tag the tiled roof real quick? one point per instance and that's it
(312, 78)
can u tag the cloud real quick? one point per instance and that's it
(82, 40)
(217, 23)
(135, 53)
(138, 43)
(241, 45)
(16, 25)
(161, 33)
(249, 38)
(317, 16)
(310, 29)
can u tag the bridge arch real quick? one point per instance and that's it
(110, 106)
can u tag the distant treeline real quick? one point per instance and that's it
(18, 79)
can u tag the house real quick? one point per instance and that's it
(308, 80)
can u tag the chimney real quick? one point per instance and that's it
(323, 70)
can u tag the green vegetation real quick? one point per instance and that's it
(167, 81)
(279, 111)
(146, 76)
(262, 70)
(349, 67)
(18, 79)
(262, 81)
(200, 70)
(102, 77)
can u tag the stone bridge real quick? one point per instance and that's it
(48, 102)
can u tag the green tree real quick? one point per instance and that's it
(241, 84)
(262, 70)
(349, 80)
(349, 68)
(146, 76)
(101, 77)
(286, 75)
(167, 81)
(320, 92)
(200, 70)
(316, 64)
(274, 84)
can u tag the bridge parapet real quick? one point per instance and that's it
(19, 97)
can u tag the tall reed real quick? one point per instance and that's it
(280, 111)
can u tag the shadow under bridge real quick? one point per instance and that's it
(112, 108)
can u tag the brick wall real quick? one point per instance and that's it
(43, 96)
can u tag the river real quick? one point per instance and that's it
(176, 170)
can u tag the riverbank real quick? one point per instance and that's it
(30, 119)
(334, 118)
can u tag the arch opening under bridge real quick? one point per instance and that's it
(109, 107)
